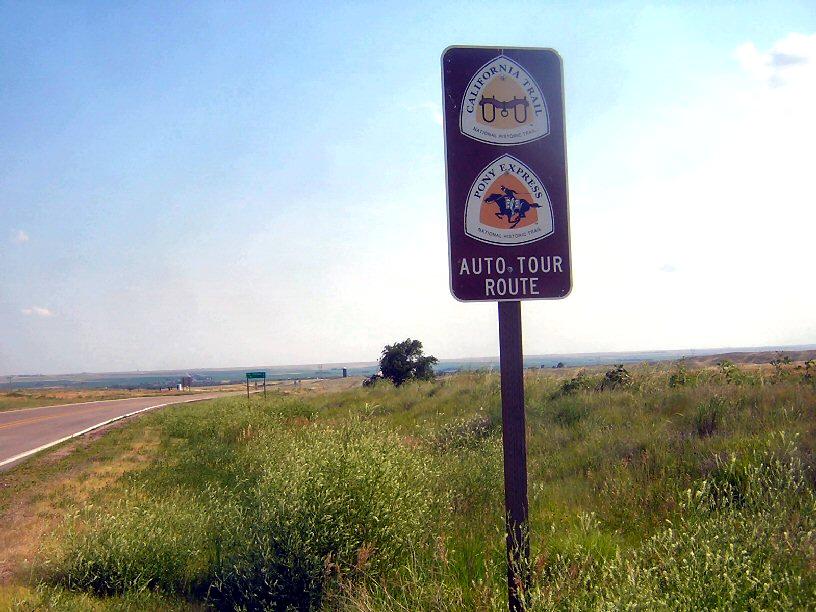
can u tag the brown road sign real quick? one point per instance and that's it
(508, 224)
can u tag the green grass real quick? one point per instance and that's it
(645, 496)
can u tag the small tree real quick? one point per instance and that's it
(404, 361)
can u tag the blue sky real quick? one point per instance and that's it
(223, 184)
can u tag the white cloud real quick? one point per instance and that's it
(790, 61)
(705, 207)
(37, 311)
(19, 236)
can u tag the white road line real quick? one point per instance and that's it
(28, 453)
(119, 399)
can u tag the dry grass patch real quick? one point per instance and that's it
(35, 497)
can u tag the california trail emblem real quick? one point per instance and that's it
(503, 105)
(507, 205)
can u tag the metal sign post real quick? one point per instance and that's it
(508, 225)
(514, 443)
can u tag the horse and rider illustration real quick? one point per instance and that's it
(510, 206)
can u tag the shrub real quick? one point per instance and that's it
(143, 543)
(732, 374)
(809, 374)
(579, 382)
(330, 503)
(312, 505)
(679, 378)
(373, 380)
(779, 362)
(616, 378)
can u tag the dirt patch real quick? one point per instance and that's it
(38, 506)
(320, 385)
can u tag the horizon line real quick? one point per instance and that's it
(341, 364)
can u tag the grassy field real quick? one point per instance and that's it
(666, 489)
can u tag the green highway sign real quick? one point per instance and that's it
(256, 375)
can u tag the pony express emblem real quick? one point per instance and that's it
(507, 204)
(503, 105)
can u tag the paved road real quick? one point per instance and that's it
(24, 432)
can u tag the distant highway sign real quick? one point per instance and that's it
(255, 375)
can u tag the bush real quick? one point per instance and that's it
(373, 380)
(732, 374)
(330, 503)
(143, 543)
(680, 378)
(809, 374)
(616, 379)
(326, 504)
(579, 382)
(779, 362)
